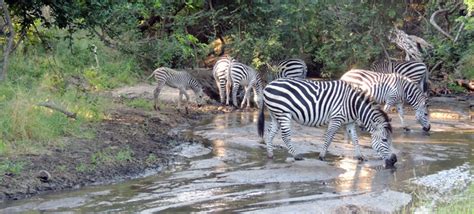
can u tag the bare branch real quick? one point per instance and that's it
(459, 32)
(441, 11)
(436, 26)
(54, 106)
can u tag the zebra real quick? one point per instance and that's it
(242, 75)
(291, 68)
(219, 71)
(414, 70)
(181, 80)
(393, 90)
(317, 103)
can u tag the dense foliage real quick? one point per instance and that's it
(331, 36)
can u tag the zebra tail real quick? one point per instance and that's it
(152, 74)
(424, 82)
(261, 121)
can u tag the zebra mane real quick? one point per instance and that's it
(365, 98)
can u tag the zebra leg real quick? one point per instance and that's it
(271, 132)
(180, 97)
(401, 115)
(351, 131)
(227, 92)
(246, 97)
(385, 109)
(220, 88)
(332, 128)
(156, 93)
(285, 125)
(235, 89)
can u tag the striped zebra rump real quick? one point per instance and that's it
(391, 89)
(180, 80)
(414, 70)
(318, 103)
(220, 73)
(292, 68)
(241, 75)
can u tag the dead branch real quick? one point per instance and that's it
(441, 11)
(467, 84)
(436, 26)
(459, 32)
(436, 66)
(54, 106)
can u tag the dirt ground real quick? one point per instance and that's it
(128, 144)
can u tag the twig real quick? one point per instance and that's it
(436, 66)
(54, 106)
(436, 26)
(459, 32)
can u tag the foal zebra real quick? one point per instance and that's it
(243, 75)
(219, 71)
(393, 90)
(181, 80)
(317, 103)
(292, 68)
(416, 71)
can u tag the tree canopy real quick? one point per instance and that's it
(331, 36)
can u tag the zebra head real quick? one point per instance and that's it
(416, 98)
(381, 132)
(199, 96)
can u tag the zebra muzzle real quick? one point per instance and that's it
(390, 162)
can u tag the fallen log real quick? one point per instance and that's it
(54, 106)
(467, 84)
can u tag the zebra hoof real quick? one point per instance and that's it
(156, 107)
(322, 158)
(406, 129)
(299, 157)
(361, 158)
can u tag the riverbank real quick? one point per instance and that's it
(136, 141)
(132, 141)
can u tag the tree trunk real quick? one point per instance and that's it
(10, 33)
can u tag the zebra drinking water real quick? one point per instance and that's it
(291, 68)
(416, 71)
(220, 73)
(393, 90)
(243, 75)
(181, 80)
(318, 103)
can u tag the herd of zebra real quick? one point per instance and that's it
(352, 100)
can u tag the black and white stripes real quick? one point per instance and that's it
(392, 90)
(176, 79)
(220, 73)
(332, 103)
(242, 75)
(292, 68)
(416, 71)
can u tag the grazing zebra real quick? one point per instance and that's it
(181, 80)
(291, 68)
(243, 75)
(416, 71)
(393, 90)
(317, 103)
(219, 71)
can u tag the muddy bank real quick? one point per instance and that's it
(129, 143)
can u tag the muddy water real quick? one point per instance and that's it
(231, 173)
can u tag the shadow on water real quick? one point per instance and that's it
(237, 176)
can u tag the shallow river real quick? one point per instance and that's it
(232, 173)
